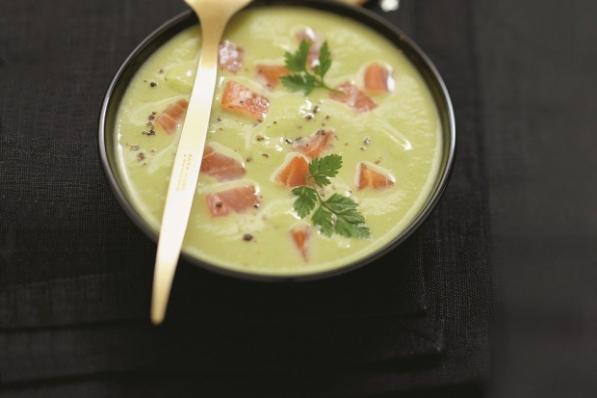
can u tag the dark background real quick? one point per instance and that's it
(493, 296)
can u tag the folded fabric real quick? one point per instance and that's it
(392, 285)
(213, 346)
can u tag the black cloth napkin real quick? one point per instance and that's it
(121, 295)
(75, 273)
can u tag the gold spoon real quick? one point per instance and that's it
(213, 15)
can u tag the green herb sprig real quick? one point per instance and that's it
(302, 78)
(336, 214)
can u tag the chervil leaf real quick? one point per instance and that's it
(337, 214)
(293, 82)
(299, 82)
(310, 83)
(297, 61)
(305, 201)
(302, 78)
(343, 205)
(322, 169)
(349, 222)
(350, 230)
(323, 219)
(325, 61)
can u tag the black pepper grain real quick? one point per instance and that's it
(260, 138)
(247, 237)
(140, 156)
(265, 155)
(153, 84)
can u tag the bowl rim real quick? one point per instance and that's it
(400, 40)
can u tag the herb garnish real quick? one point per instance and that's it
(301, 78)
(336, 214)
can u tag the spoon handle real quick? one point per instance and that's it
(187, 163)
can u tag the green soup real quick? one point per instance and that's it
(401, 136)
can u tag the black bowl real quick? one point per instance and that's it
(182, 21)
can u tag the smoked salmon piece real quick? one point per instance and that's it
(300, 236)
(307, 34)
(294, 172)
(220, 166)
(271, 74)
(353, 97)
(378, 79)
(372, 178)
(230, 56)
(243, 101)
(235, 200)
(172, 116)
(315, 145)
(311, 37)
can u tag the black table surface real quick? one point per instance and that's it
(75, 273)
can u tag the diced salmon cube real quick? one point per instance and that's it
(170, 118)
(307, 34)
(293, 172)
(235, 200)
(230, 56)
(376, 178)
(315, 145)
(311, 37)
(300, 236)
(243, 101)
(378, 79)
(350, 94)
(220, 166)
(271, 74)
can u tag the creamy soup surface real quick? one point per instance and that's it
(396, 135)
